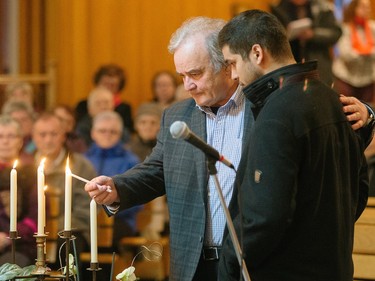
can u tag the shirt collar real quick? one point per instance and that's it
(236, 100)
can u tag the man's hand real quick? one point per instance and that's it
(99, 193)
(355, 111)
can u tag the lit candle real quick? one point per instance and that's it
(68, 197)
(93, 232)
(41, 201)
(13, 198)
(44, 205)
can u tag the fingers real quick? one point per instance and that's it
(354, 117)
(357, 125)
(102, 189)
(101, 182)
(90, 186)
(355, 111)
(349, 100)
(352, 108)
(105, 198)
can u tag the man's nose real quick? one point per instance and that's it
(189, 84)
(234, 74)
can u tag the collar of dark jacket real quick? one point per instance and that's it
(258, 91)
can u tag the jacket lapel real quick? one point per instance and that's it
(198, 126)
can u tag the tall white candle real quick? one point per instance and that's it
(93, 232)
(41, 201)
(44, 205)
(68, 197)
(13, 198)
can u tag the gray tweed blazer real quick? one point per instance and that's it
(178, 169)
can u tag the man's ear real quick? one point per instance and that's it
(256, 54)
(228, 71)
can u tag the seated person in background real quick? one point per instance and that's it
(147, 125)
(112, 77)
(10, 145)
(100, 100)
(109, 157)
(66, 115)
(49, 138)
(24, 114)
(164, 85)
(20, 92)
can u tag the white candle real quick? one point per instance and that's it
(68, 197)
(13, 198)
(44, 205)
(41, 202)
(93, 232)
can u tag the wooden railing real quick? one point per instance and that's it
(48, 79)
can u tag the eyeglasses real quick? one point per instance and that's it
(9, 137)
(108, 131)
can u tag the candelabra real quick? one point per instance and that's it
(94, 267)
(41, 269)
(67, 235)
(13, 235)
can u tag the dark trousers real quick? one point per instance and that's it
(206, 270)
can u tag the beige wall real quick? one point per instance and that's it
(83, 34)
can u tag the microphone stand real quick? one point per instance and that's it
(213, 174)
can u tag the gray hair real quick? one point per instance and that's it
(205, 26)
(13, 106)
(24, 86)
(6, 120)
(108, 115)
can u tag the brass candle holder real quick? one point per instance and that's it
(41, 269)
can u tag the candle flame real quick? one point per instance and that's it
(42, 162)
(15, 163)
(67, 168)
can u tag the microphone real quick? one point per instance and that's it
(180, 130)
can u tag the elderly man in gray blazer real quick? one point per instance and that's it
(219, 114)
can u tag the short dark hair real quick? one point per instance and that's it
(255, 27)
(111, 70)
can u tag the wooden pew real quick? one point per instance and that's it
(364, 244)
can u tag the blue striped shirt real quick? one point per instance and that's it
(224, 133)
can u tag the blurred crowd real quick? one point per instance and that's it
(103, 135)
(100, 136)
